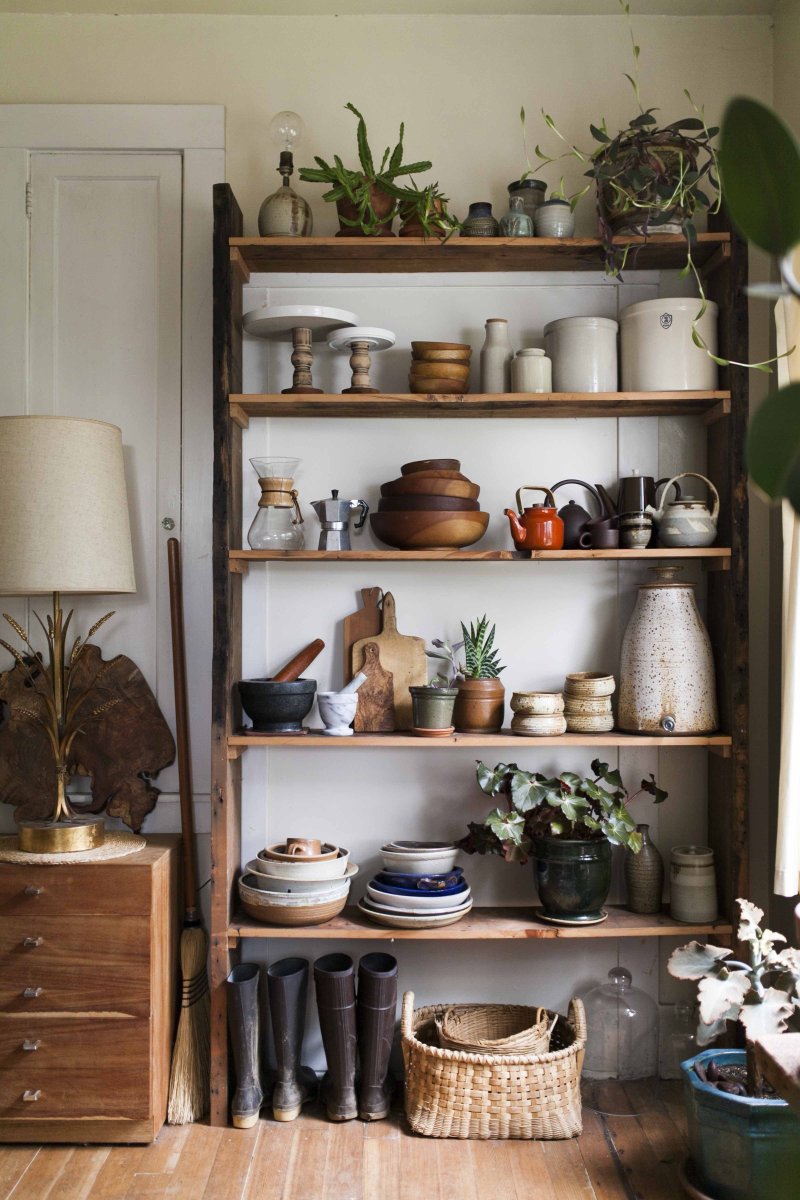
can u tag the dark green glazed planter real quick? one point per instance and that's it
(433, 707)
(573, 877)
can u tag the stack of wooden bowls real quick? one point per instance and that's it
(587, 702)
(439, 368)
(432, 506)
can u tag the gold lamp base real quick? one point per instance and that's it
(61, 837)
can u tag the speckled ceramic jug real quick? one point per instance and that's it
(667, 680)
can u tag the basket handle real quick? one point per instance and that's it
(406, 1014)
(577, 1015)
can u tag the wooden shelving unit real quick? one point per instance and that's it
(722, 258)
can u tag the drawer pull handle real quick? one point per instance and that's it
(30, 943)
(32, 993)
(31, 1096)
(31, 1044)
(33, 890)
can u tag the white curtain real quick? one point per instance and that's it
(787, 857)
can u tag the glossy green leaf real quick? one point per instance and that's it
(773, 444)
(760, 165)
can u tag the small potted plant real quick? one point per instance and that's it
(366, 199)
(424, 214)
(432, 705)
(568, 824)
(745, 1144)
(480, 702)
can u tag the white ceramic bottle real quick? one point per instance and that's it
(496, 356)
(531, 371)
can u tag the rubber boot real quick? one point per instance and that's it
(376, 1012)
(287, 983)
(336, 1000)
(243, 1025)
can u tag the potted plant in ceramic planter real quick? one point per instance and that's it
(745, 1144)
(366, 199)
(432, 705)
(424, 213)
(568, 824)
(480, 702)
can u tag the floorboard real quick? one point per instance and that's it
(633, 1140)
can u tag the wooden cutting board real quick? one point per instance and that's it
(375, 712)
(403, 656)
(365, 623)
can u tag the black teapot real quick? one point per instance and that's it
(574, 516)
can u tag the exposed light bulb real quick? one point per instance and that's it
(286, 129)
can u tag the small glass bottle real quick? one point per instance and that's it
(516, 222)
(496, 356)
(622, 1023)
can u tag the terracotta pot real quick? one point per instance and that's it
(480, 705)
(383, 205)
(412, 226)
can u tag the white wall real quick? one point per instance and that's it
(458, 83)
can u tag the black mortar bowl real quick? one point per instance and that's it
(277, 707)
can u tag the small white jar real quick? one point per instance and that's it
(657, 351)
(531, 371)
(583, 351)
(554, 219)
(693, 885)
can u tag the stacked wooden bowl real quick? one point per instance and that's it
(432, 506)
(439, 368)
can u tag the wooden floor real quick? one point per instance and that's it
(630, 1149)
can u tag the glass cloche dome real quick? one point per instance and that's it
(622, 1022)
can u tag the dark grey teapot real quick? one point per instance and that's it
(574, 516)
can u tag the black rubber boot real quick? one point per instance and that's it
(376, 1012)
(336, 1000)
(287, 984)
(243, 1025)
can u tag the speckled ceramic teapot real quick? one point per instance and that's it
(685, 521)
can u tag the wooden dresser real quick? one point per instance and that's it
(88, 960)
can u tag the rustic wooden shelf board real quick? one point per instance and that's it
(482, 924)
(710, 405)
(238, 742)
(414, 255)
(239, 559)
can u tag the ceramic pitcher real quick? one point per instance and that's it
(667, 682)
(685, 521)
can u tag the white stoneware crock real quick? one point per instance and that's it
(583, 351)
(657, 350)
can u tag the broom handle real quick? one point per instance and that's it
(188, 849)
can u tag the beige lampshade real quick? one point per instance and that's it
(64, 523)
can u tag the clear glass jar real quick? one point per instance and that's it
(278, 521)
(622, 1022)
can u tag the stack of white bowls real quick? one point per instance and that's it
(285, 889)
(538, 714)
(587, 702)
(420, 887)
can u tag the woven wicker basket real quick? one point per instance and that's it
(452, 1093)
(495, 1029)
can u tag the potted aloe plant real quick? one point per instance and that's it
(568, 824)
(480, 702)
(366, 199)
(745, 1144)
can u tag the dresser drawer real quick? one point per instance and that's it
(118, 888)
(80, 1068)
(75, 963)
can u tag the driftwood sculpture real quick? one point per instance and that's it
(124, 744)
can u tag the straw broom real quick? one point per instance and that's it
(191, 1054)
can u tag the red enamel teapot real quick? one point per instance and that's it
(538, 527)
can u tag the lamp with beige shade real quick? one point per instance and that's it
(64, 528)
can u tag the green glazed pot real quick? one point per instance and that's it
(573, 877)
(433, 707)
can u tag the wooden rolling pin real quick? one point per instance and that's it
(295, 667)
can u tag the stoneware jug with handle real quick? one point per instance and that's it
(686, 521)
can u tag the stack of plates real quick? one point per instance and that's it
(431, 506)
(419, 887)
(587, 702)
(281, 889)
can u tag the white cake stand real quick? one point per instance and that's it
(360, 341)
(305, 323)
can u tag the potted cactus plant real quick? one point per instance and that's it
(480, 702)
(745, 1144)
(568, 824)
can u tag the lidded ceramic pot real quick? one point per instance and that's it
(667, 682)
(657, 350)
(583, 351)
(531, 371)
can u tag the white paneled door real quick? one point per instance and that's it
(105, 343)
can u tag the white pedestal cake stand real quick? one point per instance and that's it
(360, 341)
(305, 323)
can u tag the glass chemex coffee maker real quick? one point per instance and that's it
(278, 522)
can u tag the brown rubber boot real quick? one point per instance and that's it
(336, 1000)
(287, 983)
(243, 1025)
(376, 1012)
